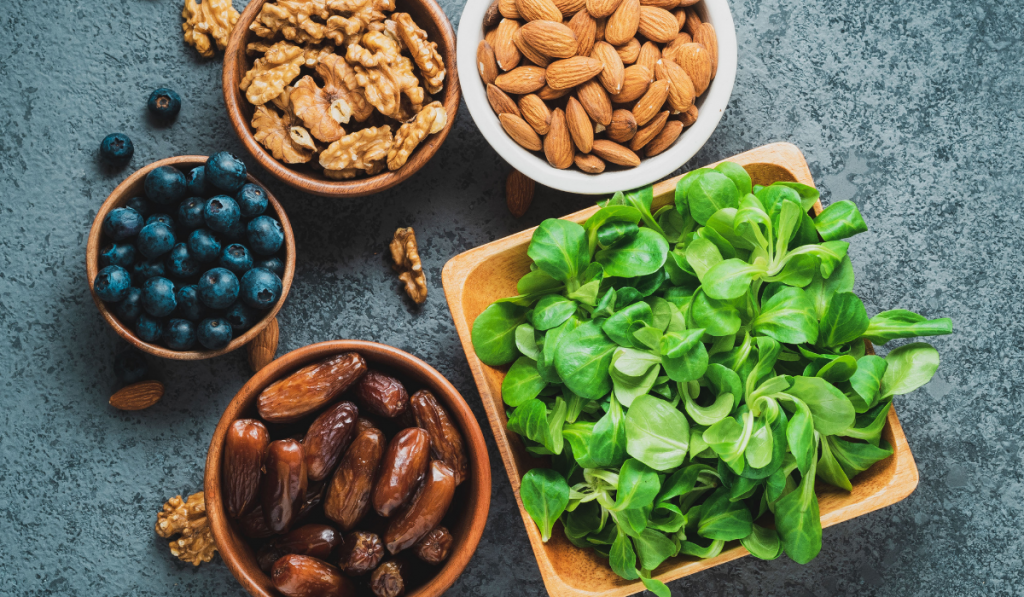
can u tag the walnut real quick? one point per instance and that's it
(293, 19)
(384, 73)
(340, 80)
(272, 73)
(275, 132)
(431, 119)
(424, 52)
(319, 110)
(344, 174)
(358, 150)
(407, 261)
(212, 19)
(311, 54)
(352, 18)
(187, 519)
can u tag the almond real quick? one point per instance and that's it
(508, 9)
(644, 135)
(595, 101)
(680, 15)
(500, 102)
(696, 61)
(613, 72)
(520, 80)
(600, 9)
(658, 24)
(547, 94)
(623, 23)
(536, 113)
(563, 74)
(591, 164)
(529, 52)
(611, 151)
(505, 52)
(690, 116)
(570, 7)
(137, 396)
(520, 132)
(263, 348)
(634, 85)
(670, 50)
(629, 52)
(648, 106)
(680, 91)
(599, 32)
(551, 39)
(666, 4)
(486, 63)
(539, 10)
(668, 135)
(493, 15)
(557, 144)
(622, 127)
(685, 3)
(518, 192)
(692, 21)
(705, 35)
(580, 128)
(649, 55)
(585, 28)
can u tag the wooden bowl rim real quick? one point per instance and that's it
(318, 184)
(248, 574)
(118, 195)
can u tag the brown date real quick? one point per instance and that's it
(244, 448)
(360, 553)
(434, 547)
(327, 438)
(283, 489)
(309, 388)
(386, 580)
(348, 496)
(382, 395)
(425, 510)
(445, 439)
(253, 525)
(302, 576)
(315, 540)
(405, 462)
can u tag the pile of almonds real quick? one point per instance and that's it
(596, 81)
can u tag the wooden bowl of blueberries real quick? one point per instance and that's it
(190, 257)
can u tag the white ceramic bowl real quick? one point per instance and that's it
(710, 106)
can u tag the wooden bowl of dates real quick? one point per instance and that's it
(430, 19)
(347, 468)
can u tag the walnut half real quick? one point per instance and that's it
(407, 262)
(428, 121)
(187, 519)
(212, 19)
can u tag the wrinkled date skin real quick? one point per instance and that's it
(360, 553)
(425, 511)
(310, 388)
(314, 540)
(382, 395)
(244, 449)
(303, 576)
(348, 496)
(434, 547)
(283, 489)
(327, 438)
(445, 439)
(386, 581)
(405, 462)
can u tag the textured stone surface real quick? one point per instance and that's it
(911, 108)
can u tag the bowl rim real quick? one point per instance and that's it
(712, 107)
(478, 498)
(118, 196)
(318, 184)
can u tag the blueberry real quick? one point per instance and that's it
(221, 213)
(141, 205)
(155, 239)
(130, 366)
(180, 263)
(144, 270)
(225, 172)
(122, 254)
(190, 213)
(163, 219)
(203, 245)
(112, 283)
(241, 317)
(164, 103)
(252, 200)
(195, 180)
(260, 288)
(236, 233)
(235, 258)
(117, 149)
(130, 307)
(158, 297)
(214, 334)
(218, 288)
(179, 334)
(274, 264)
(148, 329)
(265, 235)
(165, 185)
(189, 306)
(122, 223)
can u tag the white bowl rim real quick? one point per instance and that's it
(712, 107)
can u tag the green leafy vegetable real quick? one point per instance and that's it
(545, 495)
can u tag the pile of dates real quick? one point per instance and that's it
(336, 508)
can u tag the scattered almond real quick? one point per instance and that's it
(580, 128)
(629, 52)
(493, 16)
(263, 348)
(705, 35)
(595, 101)
(508, 9)
(486, 63)
(539, 10)
(668, 135)
(505, 51)
(563, 74)
(612, 74)
(518, 192)
(680, 91)
(529, 51)
(585, 28)
(137, 396)
(650, 104)
(536, 113)
(622, 127)
(649, 55)
(634, 85)
(644, 135)
(600, 9)
(500, 102)
(522, 79)
(557, 144)
(696, 61)
(520, 131)
(623, 24)
(551, 39)
(591, 164)
(611, 151)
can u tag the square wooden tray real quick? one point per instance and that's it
(476, 278)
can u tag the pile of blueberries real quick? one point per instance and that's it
(195, 260)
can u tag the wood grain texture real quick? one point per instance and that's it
(474, 279)
(429, 16)
(466, 516)
(133, 186)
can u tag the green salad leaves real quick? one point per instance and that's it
(691, 370)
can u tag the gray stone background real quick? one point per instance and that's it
(914, 109)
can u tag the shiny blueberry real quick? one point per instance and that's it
(122, 254)
(260, 288)
(141, 205)
(235, 258)
(122, 223)
(180, 263)
(225, 172)
(112, 283)
(179, 334)
(189, 305)
(155, 239)
(163, 219)
(148, 329)
(252, 200)
(218, 288)
(130, 366)
(117, 149)
(221, 213)
(203, 245)
(274, 264)
(190, 213)
(130, 307)
(265, 235)
(164, 103)
(165, 185)
(195, 180)
(150, 268)
(241, 317)
(214, 334)
(158, 297)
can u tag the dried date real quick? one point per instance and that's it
(303, 576)
(253, 525)
(434, 547)
(310, 388)
(283, 489)
(244, 448)
(386, 580)
(314, 540)
(382, 395)
(348, 496)
(404, 464)
(425, 510)
(327, 439)
(445, 439)
(360, 553)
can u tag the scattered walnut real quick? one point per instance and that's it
(272, 73)
(358, 150)
(407, 262)
(293, 19)
(274, 132)
(187, 519)
(211, 19)
(424, 52)
(430, 119)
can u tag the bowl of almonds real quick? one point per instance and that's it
(342, 98)
(596, 96)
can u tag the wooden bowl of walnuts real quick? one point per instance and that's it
(342, 98)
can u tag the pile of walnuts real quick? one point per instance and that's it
(332, 79)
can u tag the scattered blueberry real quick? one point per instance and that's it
(117, 149)
(265, 235)
(195, 180)
(164, 103)
(218, 288)
(122, 254)
(130, 366)
(189, 306)
(203, 245)
(148, 329)
(214, 334)
(158, 297)
(130, 307)
(241, 317)
(155, 239)
(141, 205)
(163, 219)
(274, 264)
(221, 213)
(122, 223)
(190, 213)
(235, 258)
(260, 288)
(144, 270)
(112, 283)
(165, 185)
(179, 334)
(252, 200)
(180, 263)
(225, 171)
